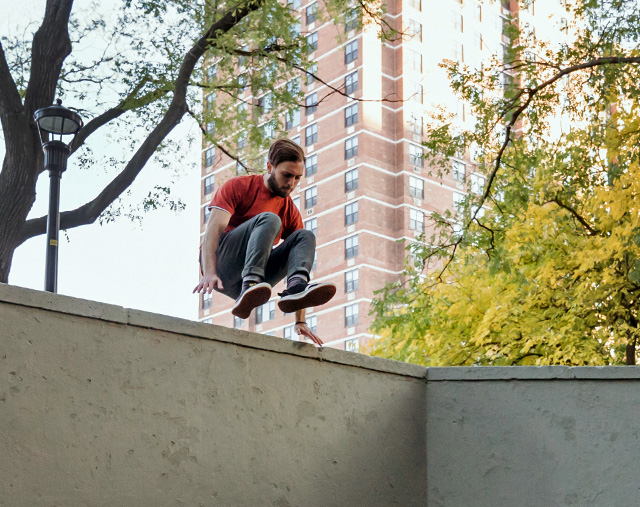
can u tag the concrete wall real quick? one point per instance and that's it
(105, 406)
(533, 437)
(100, 405)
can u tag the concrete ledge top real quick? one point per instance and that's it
(481, 373)
(21, 296)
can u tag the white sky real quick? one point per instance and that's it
(152, 266)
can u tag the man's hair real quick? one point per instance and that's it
(285, 150)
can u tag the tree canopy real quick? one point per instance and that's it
(542, 265)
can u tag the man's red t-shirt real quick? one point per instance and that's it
(246, 196)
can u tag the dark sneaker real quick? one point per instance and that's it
(305, 296)
(254, 295)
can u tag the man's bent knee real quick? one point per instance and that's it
(269, 219)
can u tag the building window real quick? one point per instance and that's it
(351, 281)
(209, 184)
(211, 128)
(352, 345)
(209, 156)
(207, 300)
(351, 315)
(266, 312)
(458, 202)
(311, 104)
(351, 83)
(415, 30)
(311, 134)
(243, 81)
(265, 103)
(242, 59)
(312, 225)
(416, 155)
(351, 147)
(351, 52)
(416, 92)
(415, 123)
(296, 202)
(477, 40)
(416, 220)
(312, 323)
(457, 51)
(312, 71)
(311, 197)
(414, 60)
(212, 72)
(351, 213)
(351, 20)
(351, 247)
(292, 119)
(288, 333)
(416, 187)
(312, 42)
(314, 266)
(241, 167)
(477, 184)
(351, 180)
(456, 21)
(237, 322)
(206, 214)
(459, 171)
(294, 4)
(312, 13)
(311, 165)
(351, 115)
(416, 4)
(211, 100)
(242, 141)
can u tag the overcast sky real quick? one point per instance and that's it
(152, 266)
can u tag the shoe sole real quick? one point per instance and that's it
(315, 297)
(255, 296)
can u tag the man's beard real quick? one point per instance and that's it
(273, 185)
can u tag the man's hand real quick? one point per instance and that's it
(304, 330)
(208, 283)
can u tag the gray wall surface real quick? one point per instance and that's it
(103, 406)
(533, 437)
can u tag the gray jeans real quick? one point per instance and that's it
(248, 250)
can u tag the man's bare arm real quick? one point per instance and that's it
(303, 329)
(218, 221)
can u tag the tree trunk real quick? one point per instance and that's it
(631, 353)
(17, 190)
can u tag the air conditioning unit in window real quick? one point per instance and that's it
(416, 169)
(310, 211)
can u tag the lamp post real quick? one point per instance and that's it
(55, 121)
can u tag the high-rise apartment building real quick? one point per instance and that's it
(367, 193)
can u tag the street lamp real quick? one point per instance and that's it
(55, 121)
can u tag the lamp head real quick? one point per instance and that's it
(58, 121)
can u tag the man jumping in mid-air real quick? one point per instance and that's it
(249, 216)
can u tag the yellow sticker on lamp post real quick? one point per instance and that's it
(53, 242)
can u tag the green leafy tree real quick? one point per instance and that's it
(546, 266)
(134, 74)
